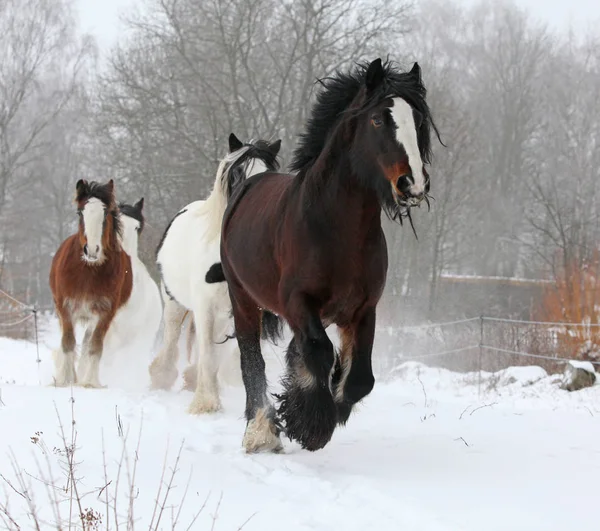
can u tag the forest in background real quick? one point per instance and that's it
(516, 188)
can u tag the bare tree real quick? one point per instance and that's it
(41, 62)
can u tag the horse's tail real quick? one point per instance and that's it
(272, 326)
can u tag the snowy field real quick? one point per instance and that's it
(424, 452)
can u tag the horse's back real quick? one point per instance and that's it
(258, 196)
(186, 253)
(251, 225)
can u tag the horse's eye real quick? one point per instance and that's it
(377, 121)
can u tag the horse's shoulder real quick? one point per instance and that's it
(251, 183)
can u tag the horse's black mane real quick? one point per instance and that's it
(132, 212)
(259, 149)
(337, 94)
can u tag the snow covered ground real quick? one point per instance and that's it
(425, 451)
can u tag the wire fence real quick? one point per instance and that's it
(489, 344)
(465, 345)
(18, 320)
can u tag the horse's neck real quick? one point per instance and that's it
(333, 194)
(129, 243)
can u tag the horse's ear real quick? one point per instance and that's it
(140, 204)
(110, 186)
(375, 74)
(80, 188)
(275, 147)
(234, 143)
(415, 71)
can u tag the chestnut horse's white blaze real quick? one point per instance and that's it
(406, 135)
(93, 221)
(190, 247)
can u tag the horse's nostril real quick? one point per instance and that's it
(97, 248)
(404, 183)
(85, 249)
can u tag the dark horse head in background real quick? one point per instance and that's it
(310, 248)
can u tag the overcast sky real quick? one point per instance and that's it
(101, 17)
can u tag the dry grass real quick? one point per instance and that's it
(73, 508)
(574, 298)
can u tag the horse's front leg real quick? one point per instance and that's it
(262, 433)
(306, 407)
(64, 358)
(206, 398)
(89, 363)
(353, 377)
(163, 369)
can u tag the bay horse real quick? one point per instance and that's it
(90, 279)
(309, 247)
(191, 277)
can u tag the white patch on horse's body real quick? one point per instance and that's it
(93, 221)
(138, 320)
(86, 311)
(189, 248)
(406, 135)
(64, 363)
(346, 362)
(260, 435)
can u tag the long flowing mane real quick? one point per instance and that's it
(226, 180)
(333, 103)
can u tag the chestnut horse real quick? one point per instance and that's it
(310, 248)
(90, 279)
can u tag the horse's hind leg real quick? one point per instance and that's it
(353, 378)
(163, 369)
(206, 398)
(262, 435)
(190, 374)
(64, 358)
(306, 407)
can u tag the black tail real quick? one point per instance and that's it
(272, 326)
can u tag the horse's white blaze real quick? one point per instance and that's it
(129, 239)
(93, 224)
(406, 135)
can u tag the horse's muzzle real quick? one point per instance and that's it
(89, 256)
(405, 192)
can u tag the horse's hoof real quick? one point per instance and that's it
(309, 415)
(89, 385)
(162, 376)
(61, 384)
(190, 378)
(201, 407)
(262, 435)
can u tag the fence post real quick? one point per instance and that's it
(479, 361)
(37, 343)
